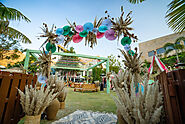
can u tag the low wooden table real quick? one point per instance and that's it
(85, 87)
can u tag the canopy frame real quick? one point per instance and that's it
(102, 60)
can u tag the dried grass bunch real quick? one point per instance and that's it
(45, 63)
(34, 101)
(121, 25)
(133, 68)
(55, 84)
(145, 108)
(62, 95)
(51, 36)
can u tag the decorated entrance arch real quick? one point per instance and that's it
(111, 28)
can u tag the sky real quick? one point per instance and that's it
(149, 20)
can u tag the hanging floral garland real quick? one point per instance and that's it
(111, 28)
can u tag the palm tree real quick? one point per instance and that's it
(175, 14)
(169, 47)
(10, 14)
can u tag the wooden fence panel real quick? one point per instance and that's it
(10, 108)
(173, 88)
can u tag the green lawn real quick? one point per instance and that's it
(94, 101)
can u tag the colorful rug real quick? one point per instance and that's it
(88, 117)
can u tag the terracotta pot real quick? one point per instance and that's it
(52, 109)
(62, 105)
(120, 118)
(32, 119)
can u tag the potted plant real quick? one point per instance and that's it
(62, 98)
(34, 102)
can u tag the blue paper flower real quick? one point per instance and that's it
(95, 30)
(88, 26)
(60, 39)
(127, 47)
(46, 52)
(42, 79)
(59, 31)
(107, 22)
(102, 29)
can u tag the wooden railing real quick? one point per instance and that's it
(10, 108)
(173, 87)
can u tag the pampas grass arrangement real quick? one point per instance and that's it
(57, 85)
(62, 95)
(145, 108)
(34, 101)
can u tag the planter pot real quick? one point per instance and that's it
(32, 119)
(52, 109)
(62, 105)
(120, 118)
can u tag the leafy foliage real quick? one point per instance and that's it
(10, 14)
(96, 73)
(176, 15)
(6, 44)
(171, 60)
(32, 68)
(114, 65)
(136, 1)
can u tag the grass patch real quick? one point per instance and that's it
(94, 101)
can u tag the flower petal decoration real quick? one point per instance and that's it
(48, 46)
(46, 52)
(66, 29)
(102, 29)
(59, 31)
(131, 52)
(83, 33)
(42, 79)
(77, 38)
(125, 40)
(95, 30)
(79, 28)
(60, 39)
(127, 47)
(107, 22)
(88, 26)
(99, 35)
(70, 33)
(110, 34)
(51, 47)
